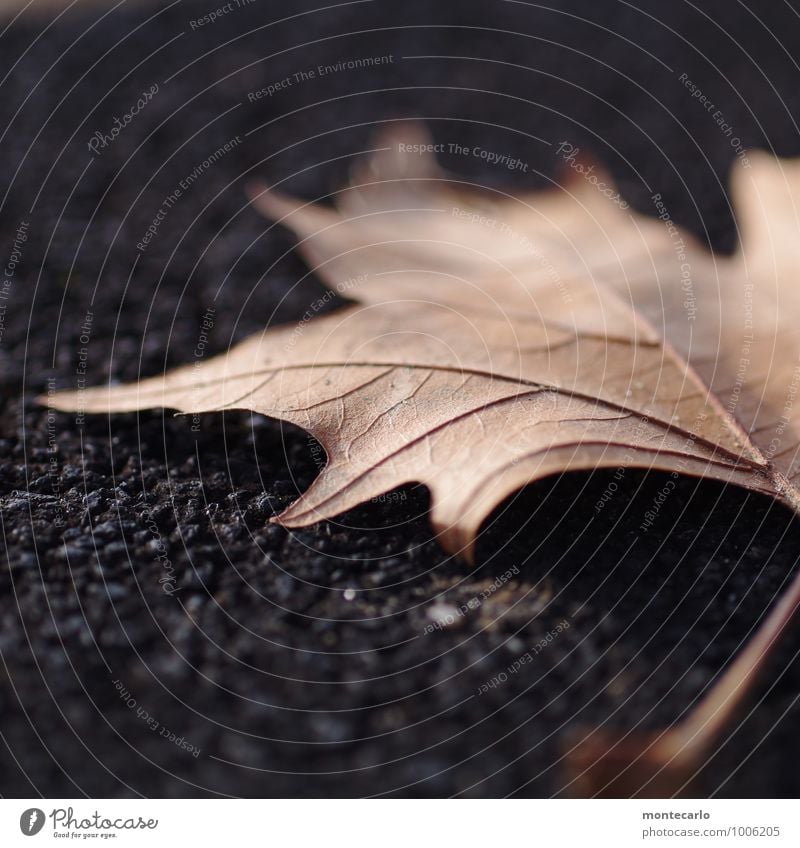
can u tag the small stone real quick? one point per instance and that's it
(94, 503)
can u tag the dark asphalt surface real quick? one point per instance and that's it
(298, 663)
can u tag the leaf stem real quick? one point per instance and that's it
(668, 764)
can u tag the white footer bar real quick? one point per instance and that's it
(399, 823)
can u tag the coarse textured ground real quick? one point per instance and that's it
(272, 677)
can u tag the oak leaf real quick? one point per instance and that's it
(496, 340)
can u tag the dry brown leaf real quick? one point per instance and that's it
(489, 349)
(498, 339)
